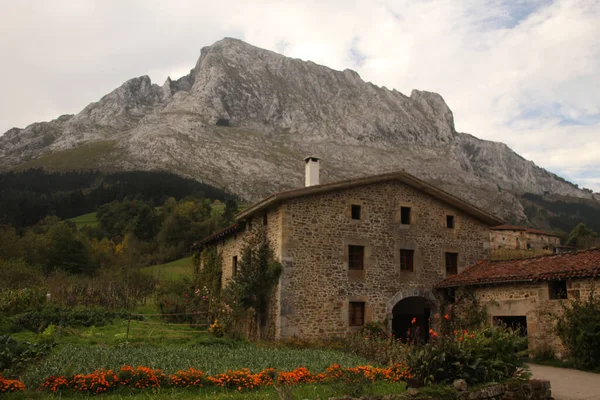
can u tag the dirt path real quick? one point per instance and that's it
(569, 384)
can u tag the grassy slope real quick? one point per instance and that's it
(85, 220)
(174, 270)
(88, 156)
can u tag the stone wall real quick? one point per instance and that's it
(532, 300)
(316, 285)
(513, 239)
(232, 246)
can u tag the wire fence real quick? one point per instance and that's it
(141, 328)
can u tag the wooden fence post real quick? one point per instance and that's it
(128, 325)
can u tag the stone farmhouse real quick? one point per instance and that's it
(356, 251)
(524, 292)
(519, 238)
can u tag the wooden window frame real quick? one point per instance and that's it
(451, 262)
(356, 257)
(407, 260)
(356, 313)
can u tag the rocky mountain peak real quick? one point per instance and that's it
(244, 118)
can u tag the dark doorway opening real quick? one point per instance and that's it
(411, 319)
(516, 322)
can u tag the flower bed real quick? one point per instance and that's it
(10, 385)
(102, 381)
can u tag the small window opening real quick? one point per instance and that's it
(222, 122)
(558, 290)
(451, 263)
(450, 221)
(356, 211)
(405, 215)
(234, 266)
(265, 219)
(407, 260)
(249, 224)
(356, 313)
(451, 295)
(356, 257)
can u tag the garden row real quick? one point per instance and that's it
(103, 381)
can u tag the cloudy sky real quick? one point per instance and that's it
(526, 73)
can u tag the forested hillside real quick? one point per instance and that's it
(27, 197)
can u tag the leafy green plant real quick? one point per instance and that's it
(15, 355)
(489, 353)
(51, 314)
(579, 330)
(249, 292)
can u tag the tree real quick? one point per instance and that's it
(10, 243)
(582, 237)
(231, 208)
(259, 272)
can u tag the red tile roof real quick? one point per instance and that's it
(578, 264)
(522, 229)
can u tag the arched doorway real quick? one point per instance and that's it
(410, 319)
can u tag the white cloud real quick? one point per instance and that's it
(524, 73)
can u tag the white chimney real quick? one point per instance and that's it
(312, 171)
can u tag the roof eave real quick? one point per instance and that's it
(401, 176)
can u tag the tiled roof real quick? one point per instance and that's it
(577, 264)
(522, 229)
(216, 236)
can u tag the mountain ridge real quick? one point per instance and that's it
(244, 118)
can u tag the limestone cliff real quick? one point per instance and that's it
(244, 118)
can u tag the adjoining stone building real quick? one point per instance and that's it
(526, 292)
(521, 238)
(356, 251)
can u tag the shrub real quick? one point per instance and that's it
(15, 355)
(51, 314)
(488, 354)
(377, 347)
(13, 302)
(579, 330)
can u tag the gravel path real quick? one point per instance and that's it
(569, 384)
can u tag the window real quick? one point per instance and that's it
(249, 224)
(451, 295)
(355, 211)
(405, 215)
(234, 266)
(356, 313)
(356, 257)
(558, 290)
(451, 263)
(450, 221)
(265, 219)
(407, 260)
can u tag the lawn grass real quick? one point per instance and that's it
(89, 219)
(173, 270)
(303, 391)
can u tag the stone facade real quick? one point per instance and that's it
(532, 301)
(311, 236)
(522, 239)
